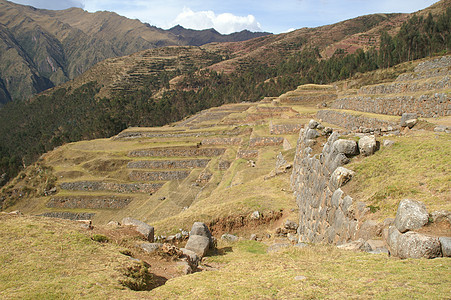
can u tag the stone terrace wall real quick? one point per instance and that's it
(284, 128)
(309, 98)
(437, 83)
(111, 186)
(354, 122)
(273, 109)
(95, 202)
(177, 152)
(68, 215)
(247, 154)
(222, 141)
(157, 176)
(266, 141)
(427, 105)
(326, 213)
(168, 164)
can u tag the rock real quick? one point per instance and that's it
(445, 245)
(186, 267)
(313, 124)
(411, 215)
(253, 237)
(373, 245)
(201, 229)
(146, 230)
(414, 245)
(290, 225)
(229, 237)
(367, 145)
(151, 247)
(301, 245)
(347, 147)
(277, 247)
(192, 257)
(200, 239)
(353, 246)
(388, 143)
(410, 123)
(441, 128)
(393, 240)
(440, 216)
(113, 224)
(85, 224)
(293, 238)
(311, 134)
(340, 176)
(300, 278)
(255, 215)
(407, 116)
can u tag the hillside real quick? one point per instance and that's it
(40, 48)
(158, 86)
(224, 164)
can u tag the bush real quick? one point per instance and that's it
(99, 238)
(137, 277)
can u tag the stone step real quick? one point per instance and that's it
(158, 175)
(89, 202)
(168, 164)
(111, 186)
(426, 105)
(177, 152)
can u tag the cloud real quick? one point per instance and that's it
(224, 23)
(52, 4)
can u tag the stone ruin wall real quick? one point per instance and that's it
(158, 175)
(178, 151)
(354, 122)
(94, 202)
(222, 141)
(68, 215)
(111, 186)
(284, 128)
(265, 141)
(326, 214)
(168, 164)
(247, 154)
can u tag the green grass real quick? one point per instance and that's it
(416, 167)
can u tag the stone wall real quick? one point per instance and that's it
(168, 164)
(68, 215)
(284, 128)
(247, 154)
(222, 141)
(178, 152)
(309, 98)
(326, 213)
(274, 109)
(398, 87)
(112, 202)
(354, 122)
(111, 186)
(157, 176)
(426, 105)
(265, 141)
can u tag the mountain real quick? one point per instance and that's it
(201, 37)
(41, 48)
(162, 85)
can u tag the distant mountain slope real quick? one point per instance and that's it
(43, 48)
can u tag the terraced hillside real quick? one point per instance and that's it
(235, 167)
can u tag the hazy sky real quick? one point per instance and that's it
(228, 16)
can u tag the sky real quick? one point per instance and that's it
(228, 16)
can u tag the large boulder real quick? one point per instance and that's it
(446, 245)
(393, 240)
(311, 134)
(145, 229)
(367, 145)
(151, 247)
(415, 245)
(411, 215)
(407, 117)
(347, 147)
(200, 239)
(340, 176)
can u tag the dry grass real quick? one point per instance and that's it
(248, 272)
